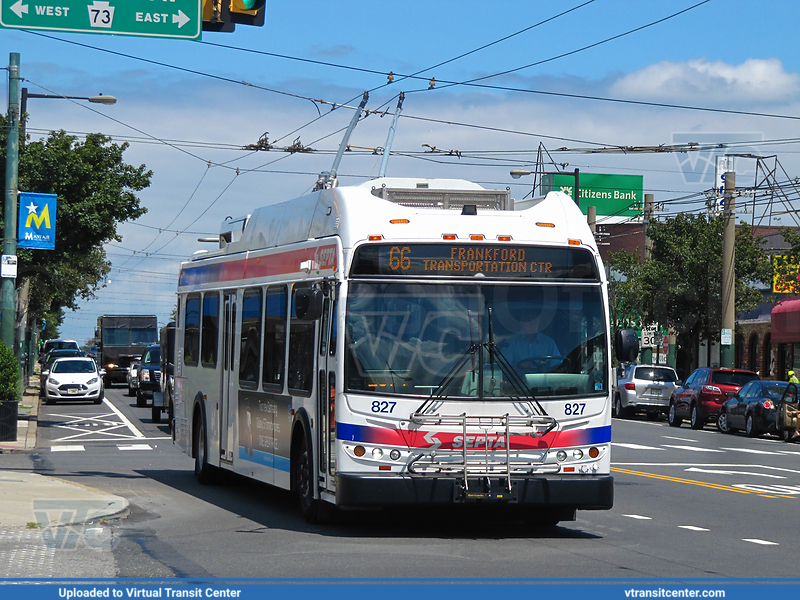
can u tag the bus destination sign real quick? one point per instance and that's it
(473, 260)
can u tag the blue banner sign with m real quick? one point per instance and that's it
(37, 221)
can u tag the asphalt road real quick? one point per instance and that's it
(688, 505)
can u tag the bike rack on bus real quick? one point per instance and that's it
(484, 461)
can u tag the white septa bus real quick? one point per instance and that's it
(402, 342)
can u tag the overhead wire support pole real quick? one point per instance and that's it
(390, 138)
(727, 350)
(328, 179)
(8, 303)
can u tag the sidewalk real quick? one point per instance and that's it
(29, 500)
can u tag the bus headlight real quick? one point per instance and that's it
(577, 454)
(561, 456)
(377, 453)
(394, 454)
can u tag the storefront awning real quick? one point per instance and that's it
(785, 322)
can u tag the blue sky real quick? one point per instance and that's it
(731, 55)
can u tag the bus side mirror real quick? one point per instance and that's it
(308, 304)
(626, 345)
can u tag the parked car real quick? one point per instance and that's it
(702, 395)
(73, 378)
(50, 358)
(149, 375)
(644, 388)
(753, 408)
(57, 345)
(132, 377)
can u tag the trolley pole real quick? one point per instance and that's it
(727, 346)
(8, 303)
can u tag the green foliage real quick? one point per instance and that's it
(96, 192)
(9, 375)
(680, 285)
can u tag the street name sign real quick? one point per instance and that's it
(180, 19)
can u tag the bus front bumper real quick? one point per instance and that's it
(583, 492)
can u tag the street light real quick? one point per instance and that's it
(23, 105)
(99, 99)
(517, 173)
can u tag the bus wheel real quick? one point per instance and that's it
(304, 482)
(202, 470)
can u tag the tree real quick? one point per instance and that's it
(96, 192)
(679, 286)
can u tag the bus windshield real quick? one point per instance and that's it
(406, 339)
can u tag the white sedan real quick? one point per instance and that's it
(75, 378)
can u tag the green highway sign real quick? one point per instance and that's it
(150, 18)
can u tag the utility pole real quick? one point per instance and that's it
(647, 216)
(727, 346)
(8, 303)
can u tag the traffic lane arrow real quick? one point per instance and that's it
(19, 9)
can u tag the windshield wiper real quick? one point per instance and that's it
(496, 357)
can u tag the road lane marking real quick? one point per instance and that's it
(762, 542)
(669, 437)
(73, 448)
(693, 528)
(640, 517)
(693, 449)
(716, 486)
(791, 490)
(135, 447)
(752, 451)
(125, 420)
(635, 446)
(718, 472)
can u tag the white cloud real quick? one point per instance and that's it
(698, 79)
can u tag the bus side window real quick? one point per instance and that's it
(250, 343)
(191, 336)
(274, 338)
(209, 343)
(301, 352)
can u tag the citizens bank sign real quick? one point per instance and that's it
(613, 195)
(37, 221)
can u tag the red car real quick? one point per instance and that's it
(702, 396)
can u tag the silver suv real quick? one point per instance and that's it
(644, 388)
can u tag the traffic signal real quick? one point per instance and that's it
(223, 15)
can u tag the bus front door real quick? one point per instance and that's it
(326, 398)
(228, 408)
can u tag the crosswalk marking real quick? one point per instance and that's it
(73, 448)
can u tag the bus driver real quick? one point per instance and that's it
(530, 349)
